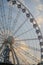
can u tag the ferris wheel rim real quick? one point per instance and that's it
(36, 25)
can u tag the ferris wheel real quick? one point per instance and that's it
(21, 40)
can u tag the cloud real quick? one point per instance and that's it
(36, 1)
(40, 19)
(39, 7)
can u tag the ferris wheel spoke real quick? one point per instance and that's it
(2, 46)
(16, 19)
(2, 20)
(27, 47)
(15, 55)
(26, 52)
(1, 25)
(23, 58)
(12, 55)
(20, 56)
(28, 55)
(9, 17)
(33, 58)
(20, 26)
(24, 47)
(1, 32)
(2, 35)
(2, 38)
(24, 33)
(27, 39)
(3, 15)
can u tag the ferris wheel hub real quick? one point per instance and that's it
(10, 40)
